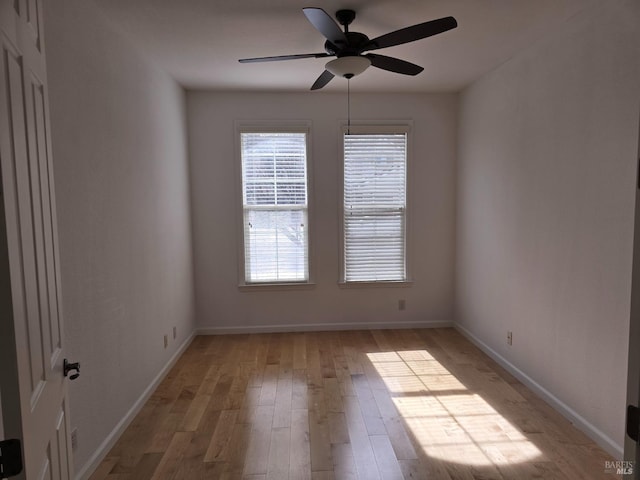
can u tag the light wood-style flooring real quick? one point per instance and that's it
(388, 404)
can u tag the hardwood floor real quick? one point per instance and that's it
(388, 404)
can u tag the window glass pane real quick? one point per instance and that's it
(374, 207)
(275, 245)
(259, 193)
(274, 181)
(374, 245)
(291, 193)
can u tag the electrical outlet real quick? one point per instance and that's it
(175, 332)
(402, 304)
(74, 439)
(166, 341)
(509, 338)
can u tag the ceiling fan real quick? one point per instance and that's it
(350, 46)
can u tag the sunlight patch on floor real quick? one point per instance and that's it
(448, 420)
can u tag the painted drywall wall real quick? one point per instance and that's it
(221, 306)
(546, 175)
(633, 380)
(120, 159)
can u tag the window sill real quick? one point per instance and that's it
(380, 284)
(254, 287)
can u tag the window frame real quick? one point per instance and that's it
(301, 126)
(382, 127)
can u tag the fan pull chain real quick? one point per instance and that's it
(348, 106)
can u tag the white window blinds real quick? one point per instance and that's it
(274, 188)
(374, 207)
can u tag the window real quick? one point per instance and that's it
(374, 219)
(275, 206)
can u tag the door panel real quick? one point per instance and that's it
(39, 204)
(34, 390)
(33, 20)
(62, 434)
(49, 287)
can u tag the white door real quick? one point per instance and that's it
(34, 390)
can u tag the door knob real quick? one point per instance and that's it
(67, 368)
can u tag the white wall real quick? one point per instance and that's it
(633, 381)
(547, 169)
(220, 305)
(120, 158)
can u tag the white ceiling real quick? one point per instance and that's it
(199, 42)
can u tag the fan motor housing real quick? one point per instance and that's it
(356, 41)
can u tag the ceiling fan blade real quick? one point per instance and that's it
(322, 80)
(325, 25)
(283, 57)
(410, 34)
(394, 64)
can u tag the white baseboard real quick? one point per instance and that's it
(597, 435)
(318, 327)
(88, 468)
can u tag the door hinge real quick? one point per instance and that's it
(10, 458)
(633, 422)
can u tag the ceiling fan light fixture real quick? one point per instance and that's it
(348, 66)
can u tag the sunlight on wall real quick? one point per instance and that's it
(448, 420)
